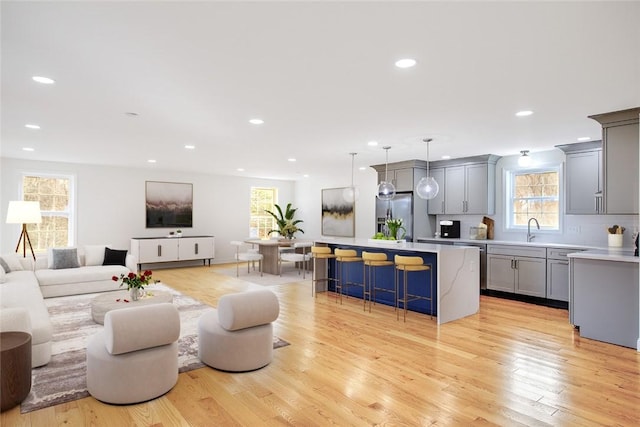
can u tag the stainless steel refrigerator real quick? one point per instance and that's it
(401, 206)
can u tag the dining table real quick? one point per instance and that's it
(270, 250)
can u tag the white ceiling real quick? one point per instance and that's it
(321, 75)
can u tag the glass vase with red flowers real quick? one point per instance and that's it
(135, 282)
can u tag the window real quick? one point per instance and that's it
(533, 193)
(261, 222)
(55, 196)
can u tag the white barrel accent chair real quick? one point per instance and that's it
(135, 357)
(238, 335)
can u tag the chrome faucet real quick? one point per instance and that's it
(529, 235)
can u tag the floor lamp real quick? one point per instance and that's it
(22, 212)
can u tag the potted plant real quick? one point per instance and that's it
(287, 226)
(179, 233)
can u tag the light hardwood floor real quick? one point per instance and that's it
(511, 364)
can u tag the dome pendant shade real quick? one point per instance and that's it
(386, 191)
(351, 194)
(427, 188)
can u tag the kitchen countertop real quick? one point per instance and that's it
(405, 246)
(621, 255)
(587, 252)
(508, 242)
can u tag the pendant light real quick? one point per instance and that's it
(351, 194)
(386, 190)
(525, 159)
(427, 187)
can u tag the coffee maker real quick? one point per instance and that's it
(450, 229)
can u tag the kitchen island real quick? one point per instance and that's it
(603, 301)
(456, 274)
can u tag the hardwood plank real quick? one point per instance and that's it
(510, 364)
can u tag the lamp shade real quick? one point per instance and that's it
(23, 212)
(427, 188)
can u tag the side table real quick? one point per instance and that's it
(15, 364)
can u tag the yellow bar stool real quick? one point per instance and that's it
(346, 256)
(408, 264)
(373, 260)
(321, 253)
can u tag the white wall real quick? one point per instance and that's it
(309, 200)
(110, 204)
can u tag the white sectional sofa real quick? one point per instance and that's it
(23, 289)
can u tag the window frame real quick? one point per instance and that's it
(508, 186)
(274, 225)
(70, 213)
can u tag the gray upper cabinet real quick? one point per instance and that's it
(436, 205)
(620, 160)
(402, 179)
(469, 185)
(583, 178)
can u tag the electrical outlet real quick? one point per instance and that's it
(575, 229)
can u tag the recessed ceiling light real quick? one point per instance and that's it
(405, 63)
(445, 157)
(43, 80)
(256, 121)
(584, 138)
(32, 126)
(306, 175)
(524, 113)
(190, 147)
(151, 161)
(372, 143)
(291, 159)
(28, 149)
(363, 168)
(240, 169)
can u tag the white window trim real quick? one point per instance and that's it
(71, 241)
(507, 191)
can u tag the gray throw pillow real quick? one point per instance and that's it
(65, 258)
(5, 266)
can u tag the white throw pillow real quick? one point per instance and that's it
(94, 254)
(3, 277)
(12, 262)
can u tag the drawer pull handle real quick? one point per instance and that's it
(159, 250)
(196, 249)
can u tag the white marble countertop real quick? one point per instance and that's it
(406, 246)
(621, 255)
(509, 242)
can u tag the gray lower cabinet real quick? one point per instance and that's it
(558, 273)
(517, 269)
(604, 300)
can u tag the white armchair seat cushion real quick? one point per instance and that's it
(48, 277)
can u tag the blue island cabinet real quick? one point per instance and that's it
(454, 271)
(418, 282)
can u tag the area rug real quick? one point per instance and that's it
(289, 275)
(63, 379)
